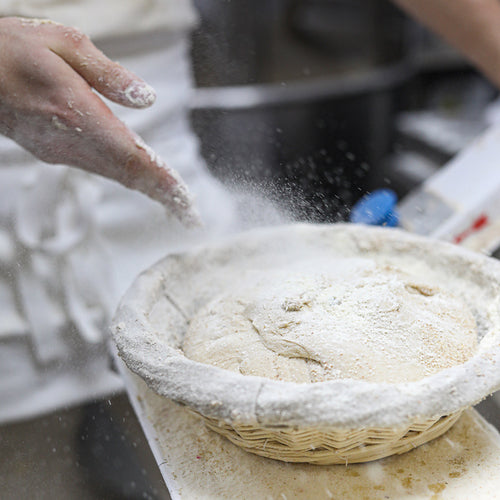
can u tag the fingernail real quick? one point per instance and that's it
(140, 94)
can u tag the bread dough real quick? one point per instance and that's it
(350, 318)
(152, 321)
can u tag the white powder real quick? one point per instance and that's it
(58, 124)
(343, 318)
(198, 463)
(175, 196)
(152, 321)
(33, 22)
(140, 95)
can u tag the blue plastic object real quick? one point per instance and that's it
(377, 208)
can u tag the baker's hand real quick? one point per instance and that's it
(47, 105)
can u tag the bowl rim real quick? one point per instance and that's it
(347, 403)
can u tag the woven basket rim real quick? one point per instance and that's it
(347, 403)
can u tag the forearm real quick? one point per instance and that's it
(472, 26)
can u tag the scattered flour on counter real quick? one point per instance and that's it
(462, 464)
(347, 318)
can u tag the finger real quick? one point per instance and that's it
(89, 136)
(135, 165)
(161, 183)
(109, 78)
(62, 121)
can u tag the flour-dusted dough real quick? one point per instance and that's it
(151, 323)
(349, 318)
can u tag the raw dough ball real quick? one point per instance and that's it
(350, 318)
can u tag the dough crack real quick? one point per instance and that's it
(350, 318)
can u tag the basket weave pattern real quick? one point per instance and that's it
(298, 423)
(331, 446)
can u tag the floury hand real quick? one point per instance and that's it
(49, 107)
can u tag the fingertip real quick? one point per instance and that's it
(139, 94)
(109, 78)
(190, 217)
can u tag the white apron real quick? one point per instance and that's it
(70, 242)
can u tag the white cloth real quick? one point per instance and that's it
(70, 244)
(107, 18)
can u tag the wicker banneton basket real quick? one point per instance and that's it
(324, 446)
(334, 422)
